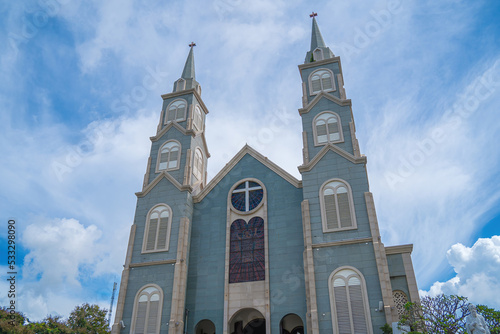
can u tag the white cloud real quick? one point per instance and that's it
(477, 272)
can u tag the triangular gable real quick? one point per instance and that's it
(318, 97)
(187, 92)
(330, 147)
(157, 180)
(230, 165)
(182, 131)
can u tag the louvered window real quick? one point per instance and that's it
(197, 166)
(147, 312)
(176, 111)
(327, 128)
(169, 156)
(157, 229)
(197, 119)
(338, 206)
(349, 303)
(321, 80)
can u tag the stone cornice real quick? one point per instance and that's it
(230, 165)
(400, 249)
(319, 63)
(187, 92)
(168, 127)
(151, 263)
(166, 175)
(330, 97)
(343, 242)
(330, 147)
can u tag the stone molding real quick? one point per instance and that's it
(399, 249)
(166, 175)
(151, 263)
(342, 242)
(187, 92)
(330, 97)
(330, 147)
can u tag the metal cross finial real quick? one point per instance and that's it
(313, 14)
(192, 44)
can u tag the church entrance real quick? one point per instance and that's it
(205, 327)
(248, 321)
(291, 324)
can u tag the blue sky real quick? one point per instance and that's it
(80, 97)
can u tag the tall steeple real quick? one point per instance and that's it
(319, 50)
(188, 79)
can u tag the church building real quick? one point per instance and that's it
(256, 250)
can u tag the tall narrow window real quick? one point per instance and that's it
(321, 80)
(318, 54)
(327, 128)
(176, 111)
(349, 303)
(337, 206)
(197, 119)
(197, 166)
(169, 156)
(147, 311)
(247, 253)
(400, 300)
(181, 84)
(157, 231)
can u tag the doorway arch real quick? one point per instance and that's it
(205, 327)
(291, 324)
(247, 321)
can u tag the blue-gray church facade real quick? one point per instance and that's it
(256, 250)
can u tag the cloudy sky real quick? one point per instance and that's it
(80, 97)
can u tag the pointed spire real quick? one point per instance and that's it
(316, 38)
(188, 72)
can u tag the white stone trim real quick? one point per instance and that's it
(330, 147)
(340, 80)
(323, 209)
(343, 242)
(187, 92)
(365, 299)
(168, 127)
(410, 278)
(160, 307)
(245, 213)
(230, 165)
(321, 95)
(179, 156)
(151, 263)
(332, 77)
(399, 249)
(305, 149)
(146, 175)
(315, 135)
(166, 111)
(319, 63)
(146, 230)
(166, 175)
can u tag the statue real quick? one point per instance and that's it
(475, 322)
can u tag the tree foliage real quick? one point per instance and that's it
(445, 315)
(84, 319)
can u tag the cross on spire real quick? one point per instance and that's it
(192, 44)
(313, 14)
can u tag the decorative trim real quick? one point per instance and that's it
(146, 175)
(315, 130)
(230, 165)
(151, 263)
(163, 174)
(168, 127)
(305, 150)
(355, 143)
(319, 63)
(342, 242)
(340, 80)
(318, 97)
(332, 77)
(330, 147)
(166, 112)
(179, 155)
(400, 249)
(410, 278)
(187, 92)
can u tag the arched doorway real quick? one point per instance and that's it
(205, 327)
(247, 321)
(291, 324)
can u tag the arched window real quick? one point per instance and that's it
(321, 80)
(247, 196)
(247, 253)
(327, 128)
(176, 111)
(169, 156)
(147, 310)
(180, 84)
(157, 231)
(197, 119)
(400, 300)
(318, 54)
(337, 207)
(197, 166)
(350, 312)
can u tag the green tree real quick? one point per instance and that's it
(491, 316)
(49, 325)
(88, 319)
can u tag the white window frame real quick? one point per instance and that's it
(323, 207)
(198, 161)
(311, 92)
(176, 119)
(337, 274)
(197, 118)
(158, 159)
(138, 295)
(315, 131)
(146, 229)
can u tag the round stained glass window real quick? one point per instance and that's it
(247, 196)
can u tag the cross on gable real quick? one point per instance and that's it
(192, 44)
(313, 14)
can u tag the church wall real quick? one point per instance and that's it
(332, 66)
(205, 298)
(397, 273)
